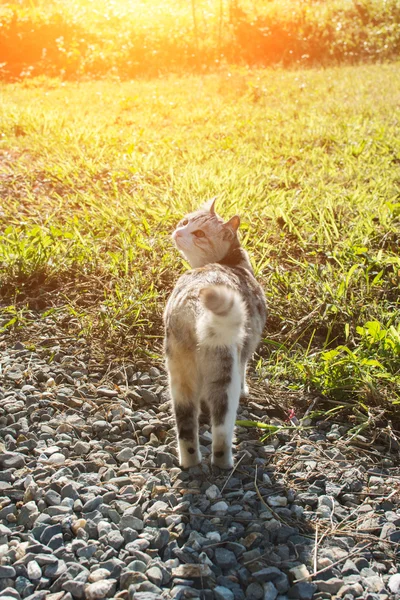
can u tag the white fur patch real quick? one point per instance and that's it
(223, 320)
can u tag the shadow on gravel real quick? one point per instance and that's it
(94, 505)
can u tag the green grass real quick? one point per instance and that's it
(94, 176)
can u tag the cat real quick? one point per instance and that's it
(213, 322)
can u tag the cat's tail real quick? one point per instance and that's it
(223, 320)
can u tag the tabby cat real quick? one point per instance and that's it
(213, 323)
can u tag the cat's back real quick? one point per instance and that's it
(185, 295)
(184, 305)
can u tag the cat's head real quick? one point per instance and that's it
(203, 237)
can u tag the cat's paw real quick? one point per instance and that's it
(187, 459)
(222, 459)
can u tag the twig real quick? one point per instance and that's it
(232, 472)
(357, 551)
(316, 548)
(262, 499)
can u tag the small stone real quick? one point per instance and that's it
(225, 558)
(23, 586)
(148, 396)
(14, 375)
(78, 524)
(267, 574)
(147, 586)
(374, 584)
(212, 493)
(155, 575)
(76, 588)
(100, 589)
(161, 539)
(154, 373)
(192, 571)
(349, 568)
(125, 455)
(394, 584)
(92, 504)
(33, 570)
(164, 458)
(223, 593)
(128, 520)
(10, 593)
(54, 571)
(303, 590)
(270, 591)
(102, 391)
(219, 507)
(28, 514)
(115, 539)
(52, 498)
(300, 572)
(81, 448)
(12, 460)
(254, 592)
(353, 589)
(277, 501)
(101, 425)
(7, 572)
(98, 575)
(56, 459)
(330, 586)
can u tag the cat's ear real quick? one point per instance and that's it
(210, 205)
(233, 223)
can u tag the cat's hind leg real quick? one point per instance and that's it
(223, 393)
(182, 371)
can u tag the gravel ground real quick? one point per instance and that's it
(94, 505)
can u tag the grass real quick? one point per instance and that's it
(79, 38)
(94, 176)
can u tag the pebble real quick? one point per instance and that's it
(223, 593)
(219, 507)
(7, 572)
(254, 591)
(78, 524)
(330, 586)
(191, 571)
(277, 501)
(125, 455)
(12, 460)
(115, 517)
(101, 391)
(81, 448)
(100, 589)
(56, 459)
(212, 493)
(155, 575)
(225, 558)
(34, 571)
(270, 591)
(394, 584)
(300, 572)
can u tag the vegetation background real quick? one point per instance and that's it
(289, 111)
(75, 38)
